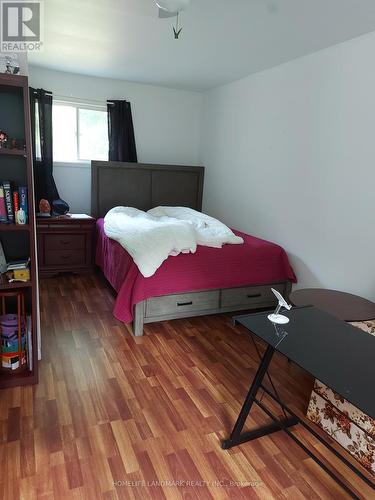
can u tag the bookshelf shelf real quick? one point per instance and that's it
(18, 371)
(15, 378)
(13, 152)
(14, 227)
(19, 241)
(12, 82)
(15, 285)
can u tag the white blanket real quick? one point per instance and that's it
(209, 231)
(151, 237)
(148, 239)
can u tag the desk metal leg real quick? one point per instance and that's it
(236, 437)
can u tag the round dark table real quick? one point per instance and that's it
(344, 306)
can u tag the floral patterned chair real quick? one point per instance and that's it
(347, 425)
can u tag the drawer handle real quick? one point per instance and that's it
(179, 304)
(64, 257)
(253, 296)
(64, 242)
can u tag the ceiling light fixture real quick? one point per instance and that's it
(172, 8)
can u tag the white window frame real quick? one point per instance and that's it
(77, 105)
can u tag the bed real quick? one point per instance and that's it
(233, 278)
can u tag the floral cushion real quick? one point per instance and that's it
(366, 326)
(357, 416)
(339, 426)
(345, 423)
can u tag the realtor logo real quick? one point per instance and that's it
(21, 26)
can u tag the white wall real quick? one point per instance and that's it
(290, 156)
(166, 123)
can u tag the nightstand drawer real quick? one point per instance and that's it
(65, 258)
(64, 241)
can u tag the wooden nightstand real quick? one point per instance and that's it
(65, 244)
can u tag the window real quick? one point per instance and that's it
(80, 132)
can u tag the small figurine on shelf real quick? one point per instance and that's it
(3, 138)
(11, 69)
(9, 276)
(44, 208)
(16, 143)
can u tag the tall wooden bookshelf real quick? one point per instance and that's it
(18, 241)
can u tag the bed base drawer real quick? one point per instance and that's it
(186, 305)
(183, 303)
(249, 295)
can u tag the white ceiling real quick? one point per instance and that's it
(221, 41)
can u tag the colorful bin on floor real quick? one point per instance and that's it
(347, 425)
(12, 357)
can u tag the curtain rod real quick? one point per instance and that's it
(35, 91)
(93, 101)
(73, 99)
(82, 99)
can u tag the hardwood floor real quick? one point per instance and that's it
(115, 416)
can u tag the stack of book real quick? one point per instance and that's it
(20, 269)
(13, 204)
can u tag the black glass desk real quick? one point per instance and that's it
(338, 354)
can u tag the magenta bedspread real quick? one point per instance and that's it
(257, 262)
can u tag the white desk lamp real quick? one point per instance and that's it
(277, 318)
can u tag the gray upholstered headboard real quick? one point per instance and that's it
(144, 186)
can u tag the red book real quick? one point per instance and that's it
(16, 205)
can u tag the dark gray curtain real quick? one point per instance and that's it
(121, 132)
(45, 187)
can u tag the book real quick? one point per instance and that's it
(3, 262)
(8, 201)
(79, 216)
(18, 264)
(24, 212)
(29, 343)
(12, 361)
(21, 274)
(16, 206)
(3, 210)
